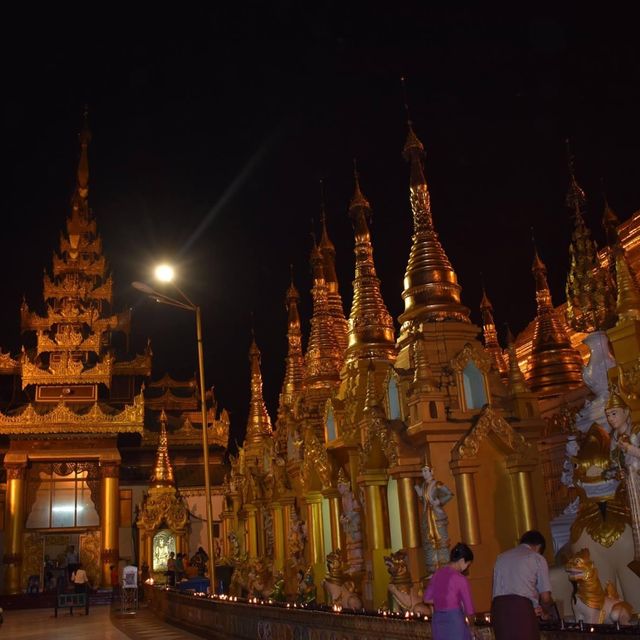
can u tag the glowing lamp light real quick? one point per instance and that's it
(67, 508)
(164, 273)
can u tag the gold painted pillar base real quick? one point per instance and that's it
(109, 518)
(14, 525)
(250, 516)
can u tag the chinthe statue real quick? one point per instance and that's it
(435, 523)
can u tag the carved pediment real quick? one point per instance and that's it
(489, 424)
(471, 353)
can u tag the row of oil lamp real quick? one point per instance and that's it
(480, 619)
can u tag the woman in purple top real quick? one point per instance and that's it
(449, 593)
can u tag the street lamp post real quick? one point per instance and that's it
(165, 273)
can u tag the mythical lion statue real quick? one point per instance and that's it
(339, 586)
(403, 595)
(591, 602)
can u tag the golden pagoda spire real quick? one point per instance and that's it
(431, 289)
(590, 304)
(294, 371)
(80, 200)
(490, 334)
(323, 358)
(371, 401)
(628, 300)
(555, 366)
(328, 251)
(163, 471)
(371, 331)
(516, 382)
(258, 423)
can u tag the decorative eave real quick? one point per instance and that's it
(168, 382)
(67, 371)
(81, 290)
(169, 401)
(118, 322)
(88, 266)
(92, 246)
(71, 340)
(139, 366)
(187, 434)
(488, 424)
(8, 365)
(62, 419)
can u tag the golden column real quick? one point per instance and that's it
(463, 471)
(278, 536)
(337, 533)
(378, 536)
(410, 519)
(14, 525)
(523, 490)
(315, 534)
(109, 517)
(250, 517)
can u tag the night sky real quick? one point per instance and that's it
(211, 132)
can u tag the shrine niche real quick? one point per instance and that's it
(163, 523)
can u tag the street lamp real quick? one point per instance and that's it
(165, 273)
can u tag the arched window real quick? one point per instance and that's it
(475, 394)
(330, 425)
(394, 399)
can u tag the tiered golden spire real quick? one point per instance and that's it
(294, 371)
(258, 423)
(76, 297)
(556, 367)
(163, 471)
(371, 331)
(490, 334)
(431, 289)
(323, 358)
(590, 303)
(328, 251)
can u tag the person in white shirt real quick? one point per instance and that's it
(80, 580)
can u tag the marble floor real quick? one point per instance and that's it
(39, 624)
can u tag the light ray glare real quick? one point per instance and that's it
(230, 191)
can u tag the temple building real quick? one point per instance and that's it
(82, 427)
(387, 441)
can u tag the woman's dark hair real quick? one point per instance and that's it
(534, 538)
(461, 552)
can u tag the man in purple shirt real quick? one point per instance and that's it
(521, 589)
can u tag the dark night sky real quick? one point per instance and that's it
(211, 131)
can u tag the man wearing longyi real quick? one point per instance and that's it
(521, 589)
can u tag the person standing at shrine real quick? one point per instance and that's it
(521, 590)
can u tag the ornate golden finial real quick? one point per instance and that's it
(555, 366)
(342, 477)
(490, 334)
(422, 374)
(328, 251)
(323, 358)
(163, 471)
(357, 200)
(294, 372)
(516, 382)
(83, 164)
(590, 300)
(258, 423)
(431, 289)
(371, 331)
